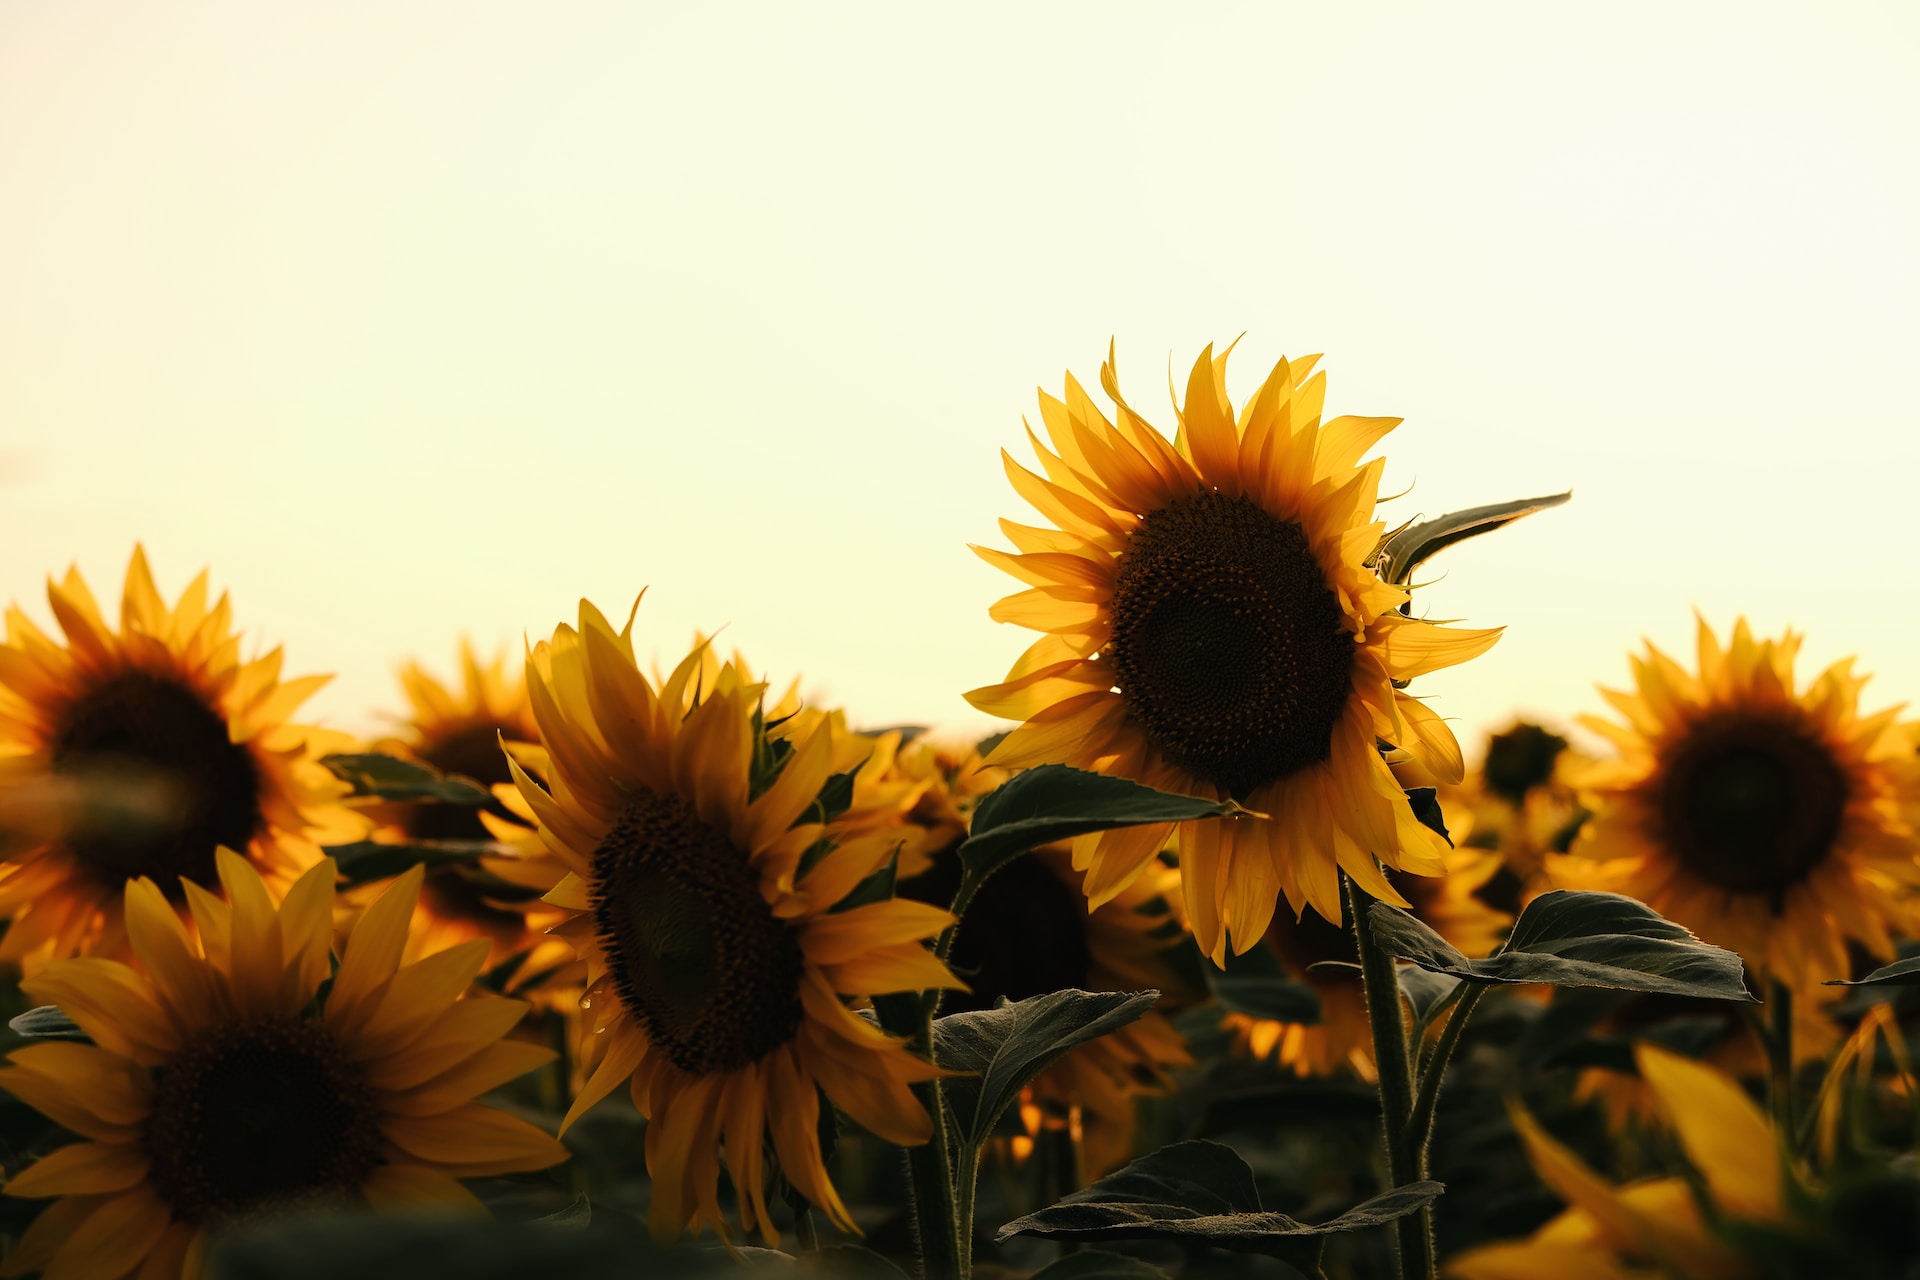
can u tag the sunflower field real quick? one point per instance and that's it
(1226, 958)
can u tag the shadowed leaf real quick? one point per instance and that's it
(1578, 939)
(1056, 802)
(384, 777)
(1202, 1193)
(1901, 973)
(1098, 1264)
(1416, 543)
(365, 860)
(1007, 1046)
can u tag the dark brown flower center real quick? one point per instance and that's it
(260, 1115)
(693, 946)
(471, 753)
(1227, 641)
(1751, 803)
(151, 728)
(1024, 933)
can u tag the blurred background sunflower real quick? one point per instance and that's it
(163, 704)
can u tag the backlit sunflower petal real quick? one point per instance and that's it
(257, 964)
(114, 1238)
(1411, 648)
(373, 950)
(1070, 731)
(844, 935)
(1726, 1136)
(407, 1003)
(474, 1141)
(82, 1169)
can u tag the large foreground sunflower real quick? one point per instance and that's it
(1770, 820)
(721, 978)
(223, 1082)
(1214, 625)
(164, 703)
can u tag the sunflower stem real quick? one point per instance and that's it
(1780, 1055)
(1427, 1097)
(945, 1226)
(1395, 1063)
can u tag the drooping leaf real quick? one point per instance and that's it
(365, 860)
(1005, 1047)
(1578, 939)
(1057, 802)
(47, 1022)
(1901, 973)
(387, 777)
(1202, 1193)
(1416, 543)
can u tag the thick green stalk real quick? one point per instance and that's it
(1395, 1063)
(943, 1252)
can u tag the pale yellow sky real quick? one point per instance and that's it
(426, 318)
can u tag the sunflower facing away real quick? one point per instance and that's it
(1213, 625)
(1768, 820)
(214, 1090)
(722, 981)
(163, 703)
(1029, 932)
(459, 731)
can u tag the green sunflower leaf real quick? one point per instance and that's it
(1578, 939)
(1203, 1193)
(365, 860)
(383, 777)
(1005, 1047)
(1901, 973)
(48, 1022)
(1416, 543)
(1055, 802)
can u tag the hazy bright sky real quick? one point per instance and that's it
(414, 319)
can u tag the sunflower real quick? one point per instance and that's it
(1768, 820)
(1029, 931)
(703, 886)
(460, 731)
(1214, 626)
(163, 704)
(1658, 1227)
(227, 1078)
(1518, 803)
(1343, 1037)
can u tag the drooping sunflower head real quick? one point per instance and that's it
(1767, 819)
(163, 705)
(1214, 625)
(709, 874)
(228, 1078)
